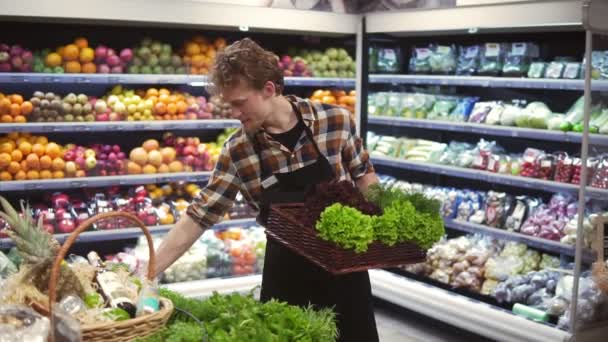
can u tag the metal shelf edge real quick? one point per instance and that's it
(487, 176)
(120, 126)
(508, 131)
(544, 244)
(92, 182)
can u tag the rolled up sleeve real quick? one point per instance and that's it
(354, 157)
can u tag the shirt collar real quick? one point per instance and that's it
(306, 108)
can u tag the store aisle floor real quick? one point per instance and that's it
(396, 324)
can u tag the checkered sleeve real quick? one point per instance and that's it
(218, 196)
(354, 157)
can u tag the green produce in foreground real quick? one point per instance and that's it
(346, 226)
(242, 318)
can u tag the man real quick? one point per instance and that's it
(284, 146)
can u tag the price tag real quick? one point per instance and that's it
(31, 186)
(518, 49)
(423, 53)
(492, 50)
(77, 184)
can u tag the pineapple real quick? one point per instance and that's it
(38, 249)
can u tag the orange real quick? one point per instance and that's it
(15, 109)
(19, 119)
(152, 92)
(58, 174)
(149, 169)
(71, 52)
(72, 67)
(160, 108)
(172, 108)
(24, 166)
(53, 59)
(198, 60)
(26, 108)
(42, 140)
(81, 42)
(38, 149)
(165, 91)
(46, 162)
(89, 68)
(5, 176)
(192, 49)
(133, 168)
(7, 146)
(20, 175)
(5, 160)
(58, 164)
(164, 98)
(14, 167)
(166, 117)
(194, 71)
(53, 150)
(204, 47)
(203, 71)
(220, 43)
(6, 118)
(87, 55)
(211, 54)
(16, 155)
(46, 174)
(181, 116)
(182, 107)
(5, 104)
(32, 174)
(16, 98)
(33, 162)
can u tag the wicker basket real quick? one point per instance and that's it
(114, 331)
(287, 230)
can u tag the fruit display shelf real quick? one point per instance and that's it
(130, 233)
(532, 241)
(194, 80)
(120, 126)
(96, 182)
(484, 319)
(505, 131)
(490, 177)
(205, 288)
(491, 82)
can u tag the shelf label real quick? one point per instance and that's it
(31, 186)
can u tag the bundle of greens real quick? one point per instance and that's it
(405, 217)
(242, 318)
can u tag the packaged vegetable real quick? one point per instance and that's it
(468, 59)
(492, 59)
(463, 109)
(510, 114)
(555, 70)
(572, 71)
(535, 115)
(556, 121)
(518, 59)
(443, 59)
(530, 166)
(394, 105)
(537, 70)
(389, 60)
(495, 114)
(480, 112)
(420, 60)
(600, 177)
(441, 109)
(517, 215)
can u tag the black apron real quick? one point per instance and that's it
(291, 278)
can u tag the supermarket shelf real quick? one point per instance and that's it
(129, 233)
(196, 80)
(535, 242)
(320, 82)
(93, 182)
(503, 16)
(192, 14)
(27, 77)
(114, 126)
(491, 82)
(489, 177)
(516, 132)
(463, 312)
(205, 288)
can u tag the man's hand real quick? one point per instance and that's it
(365, 181)
(180, 238)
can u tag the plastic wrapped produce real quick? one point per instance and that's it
(531, 261)
(600, 177)
(416, 106)
(488, 287)
(495, 114)
(517, 215)
(510, 114)
(219, 261)
(518, 59)
(537, 70)
(492, 59)
(420, 60)
(495, 208)
(442, 108)
(443, 60)
(535, 115)
(21, 323)
(480, 112)
(577, 166)
(555, 70)
(393, 107)
(572, 71)
(530, 166)
(564, 169)
(463, 109)
(556, 121)
(468, 59)
(501, 268)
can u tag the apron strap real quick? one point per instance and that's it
(264, 169)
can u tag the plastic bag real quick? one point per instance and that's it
(600, 178)
(468, 59)
(441, 109)
(492, 59)
(443, 60)
(388, 60)
(555, 70)
(500, 268)
(572, 71)
(518, 59)
(480, 112)
(20, 323)
(420, 60)
(537, 70)
(509, 115)
(463, 109)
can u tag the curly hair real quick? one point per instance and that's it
(246, 60)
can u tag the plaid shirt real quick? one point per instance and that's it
(238, 166)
